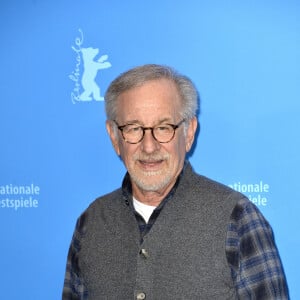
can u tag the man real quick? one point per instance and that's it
(168, 233)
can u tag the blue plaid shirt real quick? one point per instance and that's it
(251, 252)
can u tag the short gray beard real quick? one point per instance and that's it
(142, 183)
(145, 186)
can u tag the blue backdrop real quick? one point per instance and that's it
(57, 59)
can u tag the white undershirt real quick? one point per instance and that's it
(143, 209)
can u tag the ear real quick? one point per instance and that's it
(190, 133)
(113, 135)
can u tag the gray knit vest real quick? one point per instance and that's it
(182, 257)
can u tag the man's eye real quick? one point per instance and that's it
(163, 128)
(132, 129)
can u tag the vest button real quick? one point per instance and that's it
(140, 296)
(144, 253)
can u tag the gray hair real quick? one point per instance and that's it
(138, 76)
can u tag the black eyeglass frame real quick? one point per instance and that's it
(174, 126)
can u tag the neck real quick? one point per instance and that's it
(153, 198)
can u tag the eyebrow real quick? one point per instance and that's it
(165, 120)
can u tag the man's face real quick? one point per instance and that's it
(153, 166)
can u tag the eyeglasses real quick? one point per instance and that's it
(134, 133)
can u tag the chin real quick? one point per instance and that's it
(146, 184)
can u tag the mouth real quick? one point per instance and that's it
(151, 164)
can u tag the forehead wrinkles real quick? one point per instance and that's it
(151, 102)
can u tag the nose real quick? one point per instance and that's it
(149, 144)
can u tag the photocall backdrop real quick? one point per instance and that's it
(57, 59)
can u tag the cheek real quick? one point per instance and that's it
(181, 146)
(127, 152)
(180, 152)
(177, 153)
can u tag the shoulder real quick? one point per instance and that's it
(103, 205)
(108, 200)
(207, 188)
(245, 213)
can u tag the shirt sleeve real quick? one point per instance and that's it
(74, 288)
(256, 268)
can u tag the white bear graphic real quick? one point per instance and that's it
(90, 70)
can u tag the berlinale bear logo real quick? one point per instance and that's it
(85, 72)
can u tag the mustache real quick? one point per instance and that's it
(151, 157)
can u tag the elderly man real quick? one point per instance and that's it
(167, 233)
